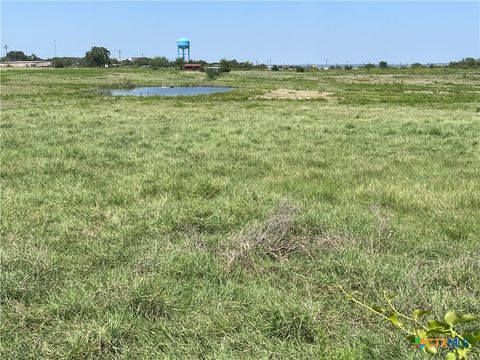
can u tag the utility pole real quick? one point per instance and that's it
(6, 50)
(119, 55)
(55, 47)
(326, 63)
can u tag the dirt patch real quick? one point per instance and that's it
(295, 94)
(400, 79)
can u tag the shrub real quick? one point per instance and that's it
(300, 69)
(58, 63)
(225, 66)
(159, 61)
(179, 63)
(274, 68)
(212, 73)
(126, 62)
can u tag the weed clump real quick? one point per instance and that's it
(272, 238)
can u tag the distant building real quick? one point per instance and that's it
(26, 64)
(193, 67)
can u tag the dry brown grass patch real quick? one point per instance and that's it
(276, 237)
(271, 238)
(295, 94)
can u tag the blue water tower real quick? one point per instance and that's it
(183, 44)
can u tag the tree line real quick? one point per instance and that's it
(100, 57)
(16, 55)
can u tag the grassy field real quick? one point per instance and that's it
(219, 226)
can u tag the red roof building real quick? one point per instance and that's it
(193, 67)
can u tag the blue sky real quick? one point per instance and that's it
(283, 32)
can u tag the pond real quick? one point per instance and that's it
(166, 91)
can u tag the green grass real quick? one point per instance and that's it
(121, 216)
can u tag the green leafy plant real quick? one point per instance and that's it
(212, 73)
(420, 331)
(225, 66)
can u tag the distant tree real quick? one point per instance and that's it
(234, 64)
(225, 66)
(247, 65)
(382, 65)
(126, 63)
(98, 56)
(179, 63)
(141, 61)
(416, 65)
(160, 61)
(17, 56)
(58, 62)
(275, 68)
(348, 67)
(201, 62)
(369, 66)
(471, 61)
(466, 62)
(299, 69)
(84, 62)
(262, 67)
